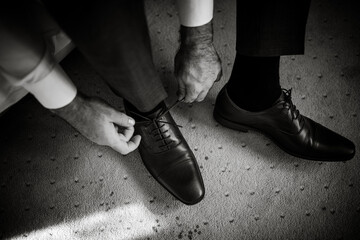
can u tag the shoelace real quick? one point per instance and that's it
(288, 104)
(157, 131)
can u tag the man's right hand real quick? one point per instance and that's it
(101, 123)
(197, 64)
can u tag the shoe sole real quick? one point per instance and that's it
(244, 128)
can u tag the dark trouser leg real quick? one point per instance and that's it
(271, 28)
(265, 31)
(113, 37)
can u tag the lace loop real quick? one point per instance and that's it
(159, 124)
(288, 104)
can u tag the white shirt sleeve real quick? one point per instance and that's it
(194, 13)
(49, 84)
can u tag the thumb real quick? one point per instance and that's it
(181, 90)
(122, 119)
(127, 147)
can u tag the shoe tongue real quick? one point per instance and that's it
(154, 114)
(156, 111)
(280, 99)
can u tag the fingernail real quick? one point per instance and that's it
(131, 121)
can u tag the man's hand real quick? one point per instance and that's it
(101, 123)
(197, 64)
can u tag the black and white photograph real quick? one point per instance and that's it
(179, 119)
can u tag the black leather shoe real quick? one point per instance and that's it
(292, 132)
(167, 156)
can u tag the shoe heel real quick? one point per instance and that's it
(229, 124)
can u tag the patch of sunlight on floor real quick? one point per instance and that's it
(133, 221)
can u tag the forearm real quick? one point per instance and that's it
(196, 36)
(196, 22)
(68, 112)
(194, 13)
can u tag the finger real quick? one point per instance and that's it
(191, 94)
(122, 119)
(127, 133)
(127, 147)
(189, 98)
(124, 133)
(219, 76)
(134, 143)
(181, 90)
(202, 96)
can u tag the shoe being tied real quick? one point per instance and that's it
(292, 132)
(167, 156)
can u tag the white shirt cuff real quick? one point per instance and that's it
(194, 13)
(55, 90)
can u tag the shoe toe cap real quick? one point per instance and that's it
(348, 149)
(184, 181)
(334, 145)
(343, 150)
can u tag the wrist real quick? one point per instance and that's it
(70, 108)
(196, 36)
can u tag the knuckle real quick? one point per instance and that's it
(126, 151)
(120, 114)
(121, 150)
